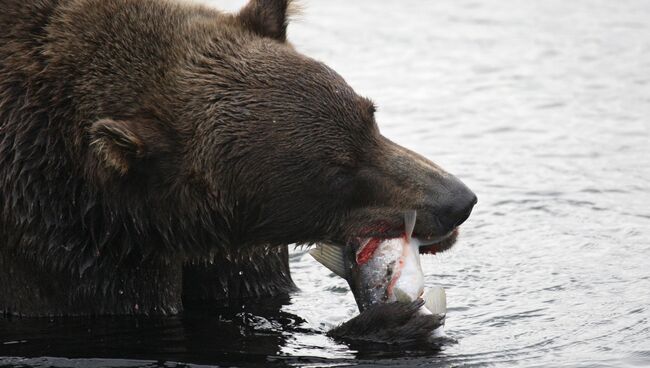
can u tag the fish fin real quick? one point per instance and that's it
(332, 257)
(435, 299)
(409, 223)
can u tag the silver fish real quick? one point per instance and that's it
(383, 270)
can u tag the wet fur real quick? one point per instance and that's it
(392, 323)
(99, 213)
(150, 150)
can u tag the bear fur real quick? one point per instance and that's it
(156, 154)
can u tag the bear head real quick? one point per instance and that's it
(258, 144)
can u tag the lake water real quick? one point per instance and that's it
(543, 109)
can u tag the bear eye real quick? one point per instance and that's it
(342, 180)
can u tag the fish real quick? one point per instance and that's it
(384, 270)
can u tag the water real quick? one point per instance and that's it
(543, 109)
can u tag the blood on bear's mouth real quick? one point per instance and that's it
(436, 245)
(373, 235)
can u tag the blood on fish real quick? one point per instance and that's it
(393, 281)
(368, 250)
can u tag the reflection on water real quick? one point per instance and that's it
(542, 108)
(243, 335)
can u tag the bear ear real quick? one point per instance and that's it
(267, 18)
(117, 144)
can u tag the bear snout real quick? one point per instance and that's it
(454, 208)
(412, 182)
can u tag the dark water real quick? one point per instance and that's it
(543, 109)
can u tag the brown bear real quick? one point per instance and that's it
(156, 154)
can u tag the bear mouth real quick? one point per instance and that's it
(440, 244)
(429, 244)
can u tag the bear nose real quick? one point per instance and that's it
(460, 203)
